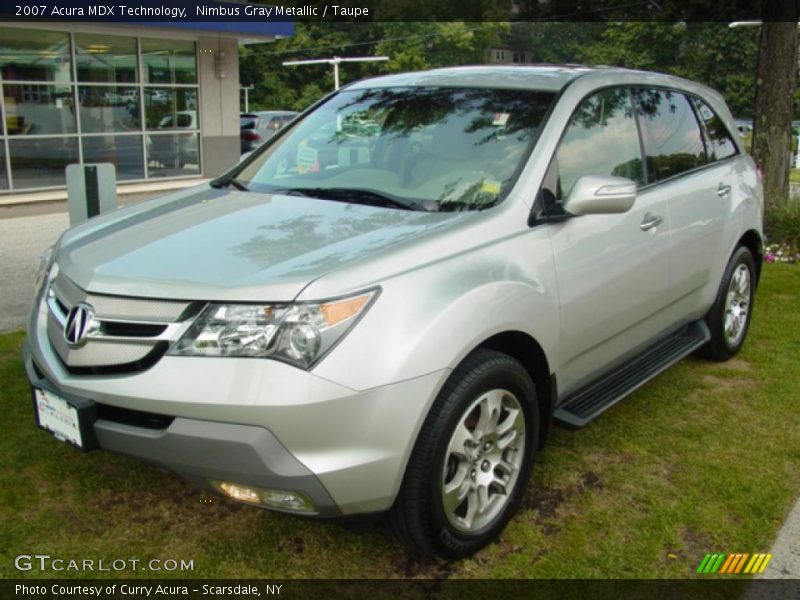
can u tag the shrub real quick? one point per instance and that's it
(784, 223)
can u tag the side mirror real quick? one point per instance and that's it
(601, 195)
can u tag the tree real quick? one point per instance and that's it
(412, 46)
(775, 86)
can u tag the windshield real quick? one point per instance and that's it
(422, 148)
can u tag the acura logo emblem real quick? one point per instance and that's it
(78, 321)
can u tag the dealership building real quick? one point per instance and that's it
(160, 101)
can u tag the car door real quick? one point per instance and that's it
(699, 191)
(612, 270)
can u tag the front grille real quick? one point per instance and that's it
(127, 334)
(122, 329)
(134, 418)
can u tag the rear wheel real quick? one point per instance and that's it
(469, 468)
(729, 317)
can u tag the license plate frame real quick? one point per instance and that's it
(69, 420)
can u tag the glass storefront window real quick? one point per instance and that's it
(169, 61)
(41, 162)
(105, 58)
(129, 101)
(173, 154)
(109, 108)
(28, 55)
(39, 109)
(124, 151)
(170, 108)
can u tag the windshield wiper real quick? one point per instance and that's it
(229, 182)
(354, 195)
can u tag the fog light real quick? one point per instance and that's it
(277, 499)
(238, 492)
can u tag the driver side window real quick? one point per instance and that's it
(600, 139)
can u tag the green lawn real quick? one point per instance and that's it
(703, 459)
(794, 176)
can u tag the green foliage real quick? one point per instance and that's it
(701, 459)
(412, 46)
(784, 224)
(711, 53)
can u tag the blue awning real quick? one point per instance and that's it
(243, 29)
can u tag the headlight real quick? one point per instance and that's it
(299, 333)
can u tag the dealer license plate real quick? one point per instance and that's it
(59, 417)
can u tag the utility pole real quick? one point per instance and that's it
(335, 61)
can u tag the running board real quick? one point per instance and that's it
(594, 399)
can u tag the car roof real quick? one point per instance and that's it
(540, 77)
(544, 77)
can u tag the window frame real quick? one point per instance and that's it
(75, 84)
(652, 184)
(538, 212)
(704, 129)
(625, 87)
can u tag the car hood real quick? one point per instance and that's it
(213, 244)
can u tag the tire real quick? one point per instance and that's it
(726, 321)
(474, 464)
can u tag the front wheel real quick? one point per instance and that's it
(729, 317)
(472, 461)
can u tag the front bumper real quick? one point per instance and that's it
(256, 422)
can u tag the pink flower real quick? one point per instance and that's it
(770, 257)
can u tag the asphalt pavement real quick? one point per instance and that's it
(23, 240)
(26, 231)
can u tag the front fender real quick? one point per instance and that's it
(430, 318)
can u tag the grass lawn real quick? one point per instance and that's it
(794, 176)
(702, 459)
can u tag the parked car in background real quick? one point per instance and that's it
(257, 127)
(386, 309)
(177, 149)
(744, 126)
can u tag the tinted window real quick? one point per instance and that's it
(247, 122)
(670, 132)
(601, 139)
(718, 140)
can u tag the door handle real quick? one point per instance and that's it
(723, 190)
(650, 221)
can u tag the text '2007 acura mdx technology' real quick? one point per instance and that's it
(386, 306)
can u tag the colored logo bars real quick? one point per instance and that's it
(732, 564)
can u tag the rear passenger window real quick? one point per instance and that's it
(673, 143)
(601, 139)
(719, 143)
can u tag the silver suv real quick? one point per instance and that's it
(386, 306)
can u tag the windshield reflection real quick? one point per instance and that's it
(438, 149)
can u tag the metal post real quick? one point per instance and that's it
(335, 60)
(336, 75)
(246, 89)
